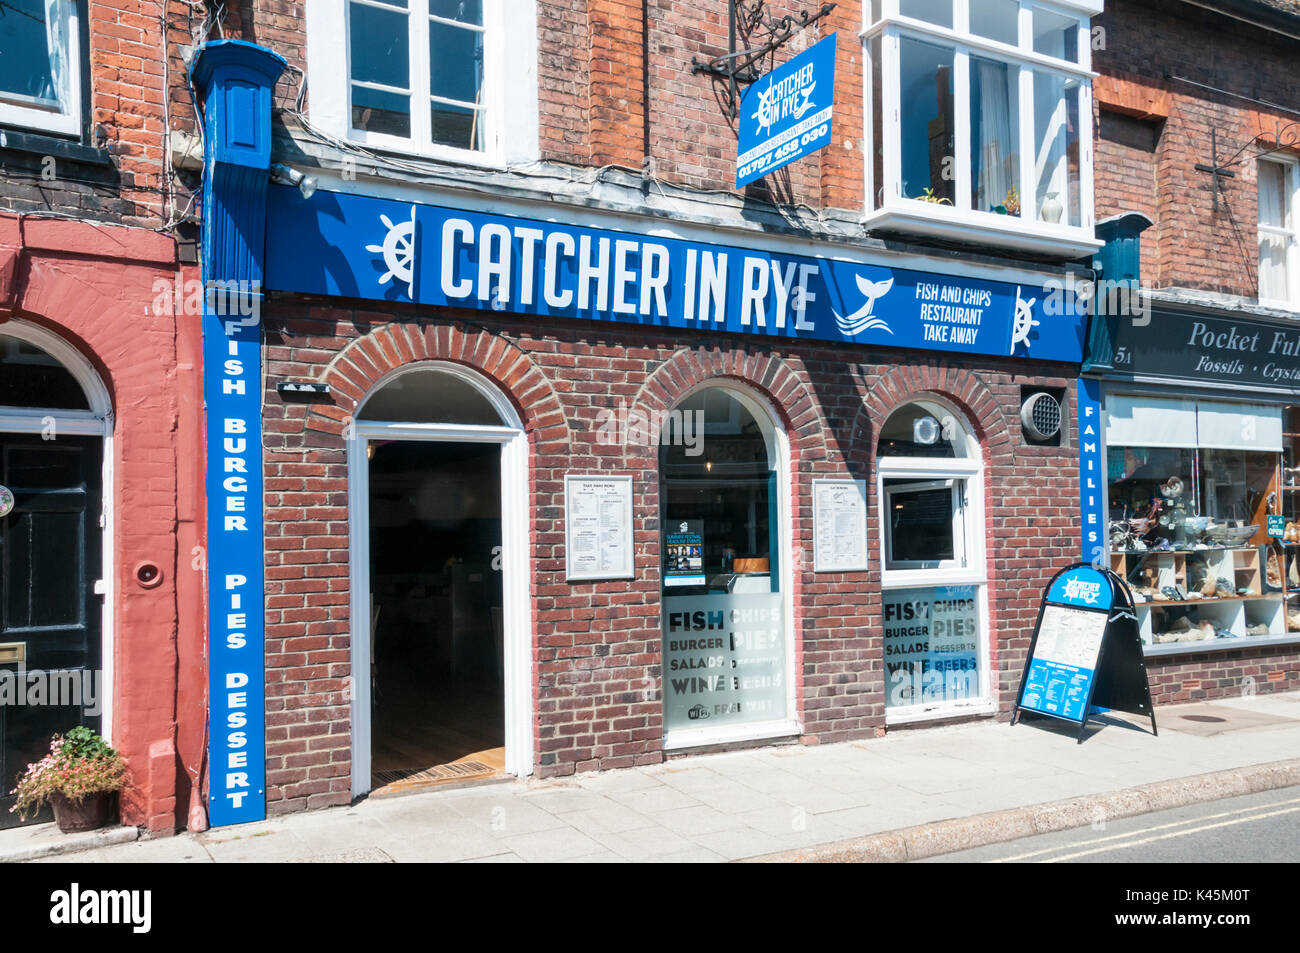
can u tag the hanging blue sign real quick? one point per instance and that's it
(362, 247)
(786, 115)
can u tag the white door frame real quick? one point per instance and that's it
(517, 623)
(96, 422)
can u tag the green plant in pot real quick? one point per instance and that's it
(79, 778)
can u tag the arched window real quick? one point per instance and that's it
(32, 377)
(930, 493)
(723, 488)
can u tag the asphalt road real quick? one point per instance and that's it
(1251, 829)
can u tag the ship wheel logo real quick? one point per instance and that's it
(1023, 322)
(398, 250)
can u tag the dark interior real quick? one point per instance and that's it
(435, 537)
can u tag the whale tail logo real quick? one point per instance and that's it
(806, 103)
(862, 319)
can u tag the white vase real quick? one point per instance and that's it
(1051, 209)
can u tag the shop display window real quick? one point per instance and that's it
(1192, 484)
(932, 609)
(725, 644)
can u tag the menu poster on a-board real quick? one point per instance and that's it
(598, 527)
(839, 525)
(1064, 661)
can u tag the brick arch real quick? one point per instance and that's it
(766, 373)
(355, 370)
(970, 395)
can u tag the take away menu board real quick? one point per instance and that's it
(1064, 662)
(598, 527)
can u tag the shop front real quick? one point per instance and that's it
(100, 538)
(1201, 423)
(550, 489)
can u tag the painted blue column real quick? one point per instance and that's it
(233, 81)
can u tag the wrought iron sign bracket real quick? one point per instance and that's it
(1285, 136)
(746, 20)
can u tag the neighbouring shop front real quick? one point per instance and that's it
(547, 490)
(1200, 426)
(100, 555)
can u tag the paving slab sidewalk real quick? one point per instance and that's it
(912, 793)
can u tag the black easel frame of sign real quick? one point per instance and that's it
(1119, 682)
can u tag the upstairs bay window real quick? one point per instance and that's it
(979, 121)
(450, 79)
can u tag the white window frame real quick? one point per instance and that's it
(26, 113)
(959, 504)
(920, 470)
(1291, 182)
(958, 221)
(510, 108)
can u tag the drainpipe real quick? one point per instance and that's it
(234, 80)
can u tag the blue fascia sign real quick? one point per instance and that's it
(786, 114)
(356, 246)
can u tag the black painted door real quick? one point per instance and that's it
(49, 561)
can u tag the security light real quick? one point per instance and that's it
(283, 175)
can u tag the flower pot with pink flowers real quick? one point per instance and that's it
(79, 779)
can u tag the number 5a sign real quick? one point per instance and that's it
(786, 115)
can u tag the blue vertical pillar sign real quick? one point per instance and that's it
(233, 81)
(1092, 472)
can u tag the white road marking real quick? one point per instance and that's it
(1160, 827)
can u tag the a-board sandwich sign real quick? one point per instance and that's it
(786, 114)
(1086, 653)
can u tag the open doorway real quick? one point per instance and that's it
(436, 635)
(441, 628)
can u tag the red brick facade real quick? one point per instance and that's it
(1154, 54)
(1154, 128)
(95, 285)
(597, 645)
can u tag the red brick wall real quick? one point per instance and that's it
(596, 644)
(1193, 245)
(128, 75)
(1125, 177)
(590, 90)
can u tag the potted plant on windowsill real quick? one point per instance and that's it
(79, 778)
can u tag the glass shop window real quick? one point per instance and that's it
(931, 475)
(724, 640)
(1185, 472)
(1192, 487)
